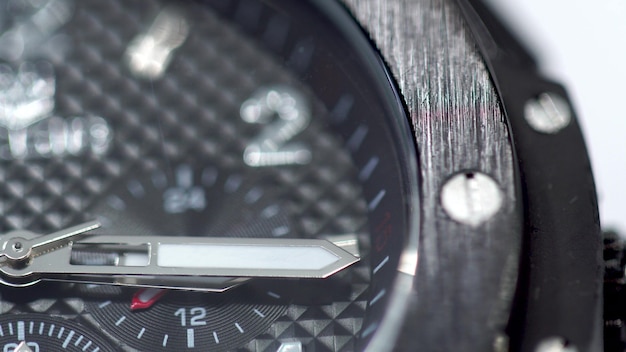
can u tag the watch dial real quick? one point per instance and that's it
(201, 119)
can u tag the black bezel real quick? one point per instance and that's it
(560, 287)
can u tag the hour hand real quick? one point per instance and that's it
(192, 263)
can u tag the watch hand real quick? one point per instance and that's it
(146, 298)
(24, 245)
(42, 243)
(193, 263)
(22, 347)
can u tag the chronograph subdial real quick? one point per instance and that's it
(176, 321)
(200, 201)
(190, 201)
(208, 201)
(37, 332)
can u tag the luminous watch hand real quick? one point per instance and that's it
(144, 298)
(193, 263)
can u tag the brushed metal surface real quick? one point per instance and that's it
(466, 275)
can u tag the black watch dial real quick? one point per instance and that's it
(234, 133)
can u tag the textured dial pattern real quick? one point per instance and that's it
(190, 116)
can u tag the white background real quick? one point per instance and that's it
(582, 44)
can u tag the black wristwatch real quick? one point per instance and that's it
(293, 176)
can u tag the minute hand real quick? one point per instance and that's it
(180, 262)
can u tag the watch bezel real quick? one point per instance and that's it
(562, 241)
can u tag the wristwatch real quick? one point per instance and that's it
(272, 175)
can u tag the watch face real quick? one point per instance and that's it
(226, 138)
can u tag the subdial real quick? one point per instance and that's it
(191, 201)
(203, 200)
(176, 321)
(200, 201)
(36, 332)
